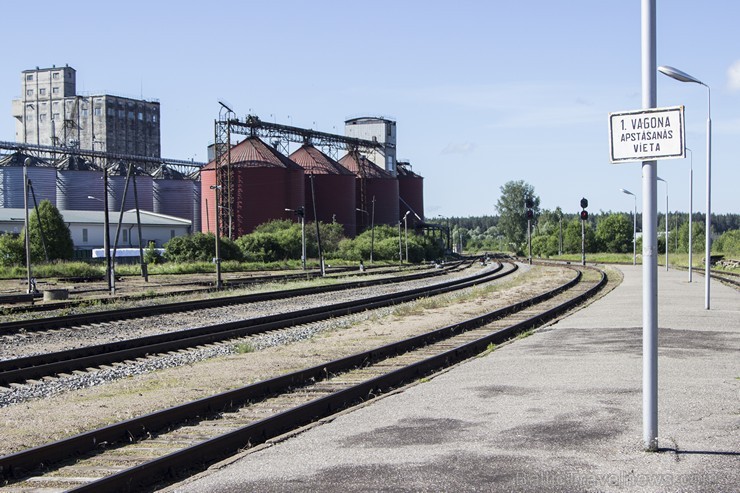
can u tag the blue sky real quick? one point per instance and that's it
(483, 92)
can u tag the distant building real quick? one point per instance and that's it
(380, 130)
(88, 227)
(50, 112)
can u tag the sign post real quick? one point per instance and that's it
(648, 135)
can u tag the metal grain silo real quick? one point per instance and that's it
(195, 181)
(263, 183)
(78, 179)
(373, 182)
(410, 192)
(333, 185)
(43, 179)
(117, 184)
(172, 193)
(207, 198)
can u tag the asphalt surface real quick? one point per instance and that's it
(559, 411)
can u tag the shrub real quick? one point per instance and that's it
(12, 250)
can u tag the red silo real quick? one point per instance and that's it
(373, 182)
(411, 192)
(334, 186)
(263, 183)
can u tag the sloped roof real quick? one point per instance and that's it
(404, 170)
(76, 163)
(121, 169)
(18, 158)
(363, 167)
(98, 217)
(164, 172)
(316, 162)
(252, 152)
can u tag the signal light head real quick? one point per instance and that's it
(584, 215)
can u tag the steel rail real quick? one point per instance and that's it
(208, 287)
(40, 324)
(22, 463)
(42, 365)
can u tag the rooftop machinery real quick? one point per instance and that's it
(279, 136)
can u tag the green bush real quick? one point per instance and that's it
(152, 256)
(12, 250)
(56, 240)
(728, 243)
(200, 247)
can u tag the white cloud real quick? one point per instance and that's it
(459, 148)
(733, 76)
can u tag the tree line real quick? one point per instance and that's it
(554, 231)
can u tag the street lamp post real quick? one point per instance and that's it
(560, 242)
(634, 227)
(666, 221)
(691, 211)
(106, 232)
(30, 288)
(372, 229)
(406, 234)
(684, 77)
(301, 212)
(217, 260)
(400, 253)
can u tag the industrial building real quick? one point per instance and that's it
(75, 143)
(87, 228)
(261, 183)
(51, 113)
(369, 162)
(329, 189)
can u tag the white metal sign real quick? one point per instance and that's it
(646, 135)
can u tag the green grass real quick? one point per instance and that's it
(244, 348)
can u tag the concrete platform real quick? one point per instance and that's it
(559, 411)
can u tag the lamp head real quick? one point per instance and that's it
(674, 73)
(623, 190)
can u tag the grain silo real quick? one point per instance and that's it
(410, 192)
(375, 183)
(42, 176)
(117, 184)
(172, 193)
(333, 185)
(77, 180)
(263, 182)
(197, 227)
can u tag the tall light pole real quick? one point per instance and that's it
(30, 288)
(106, 232)
(560, 242)
(406, 234)
(400, 253)
(634, 227)
(649, 240)
(674, 73)
(691, 211)
(301, 212)
(666, 221)
(217, 260)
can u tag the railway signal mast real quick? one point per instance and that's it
(584, 218)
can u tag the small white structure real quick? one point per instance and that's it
(87, 227)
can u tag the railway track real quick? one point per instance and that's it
(229, 284)
(53, 363)
(103, 316)
(158, 448)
